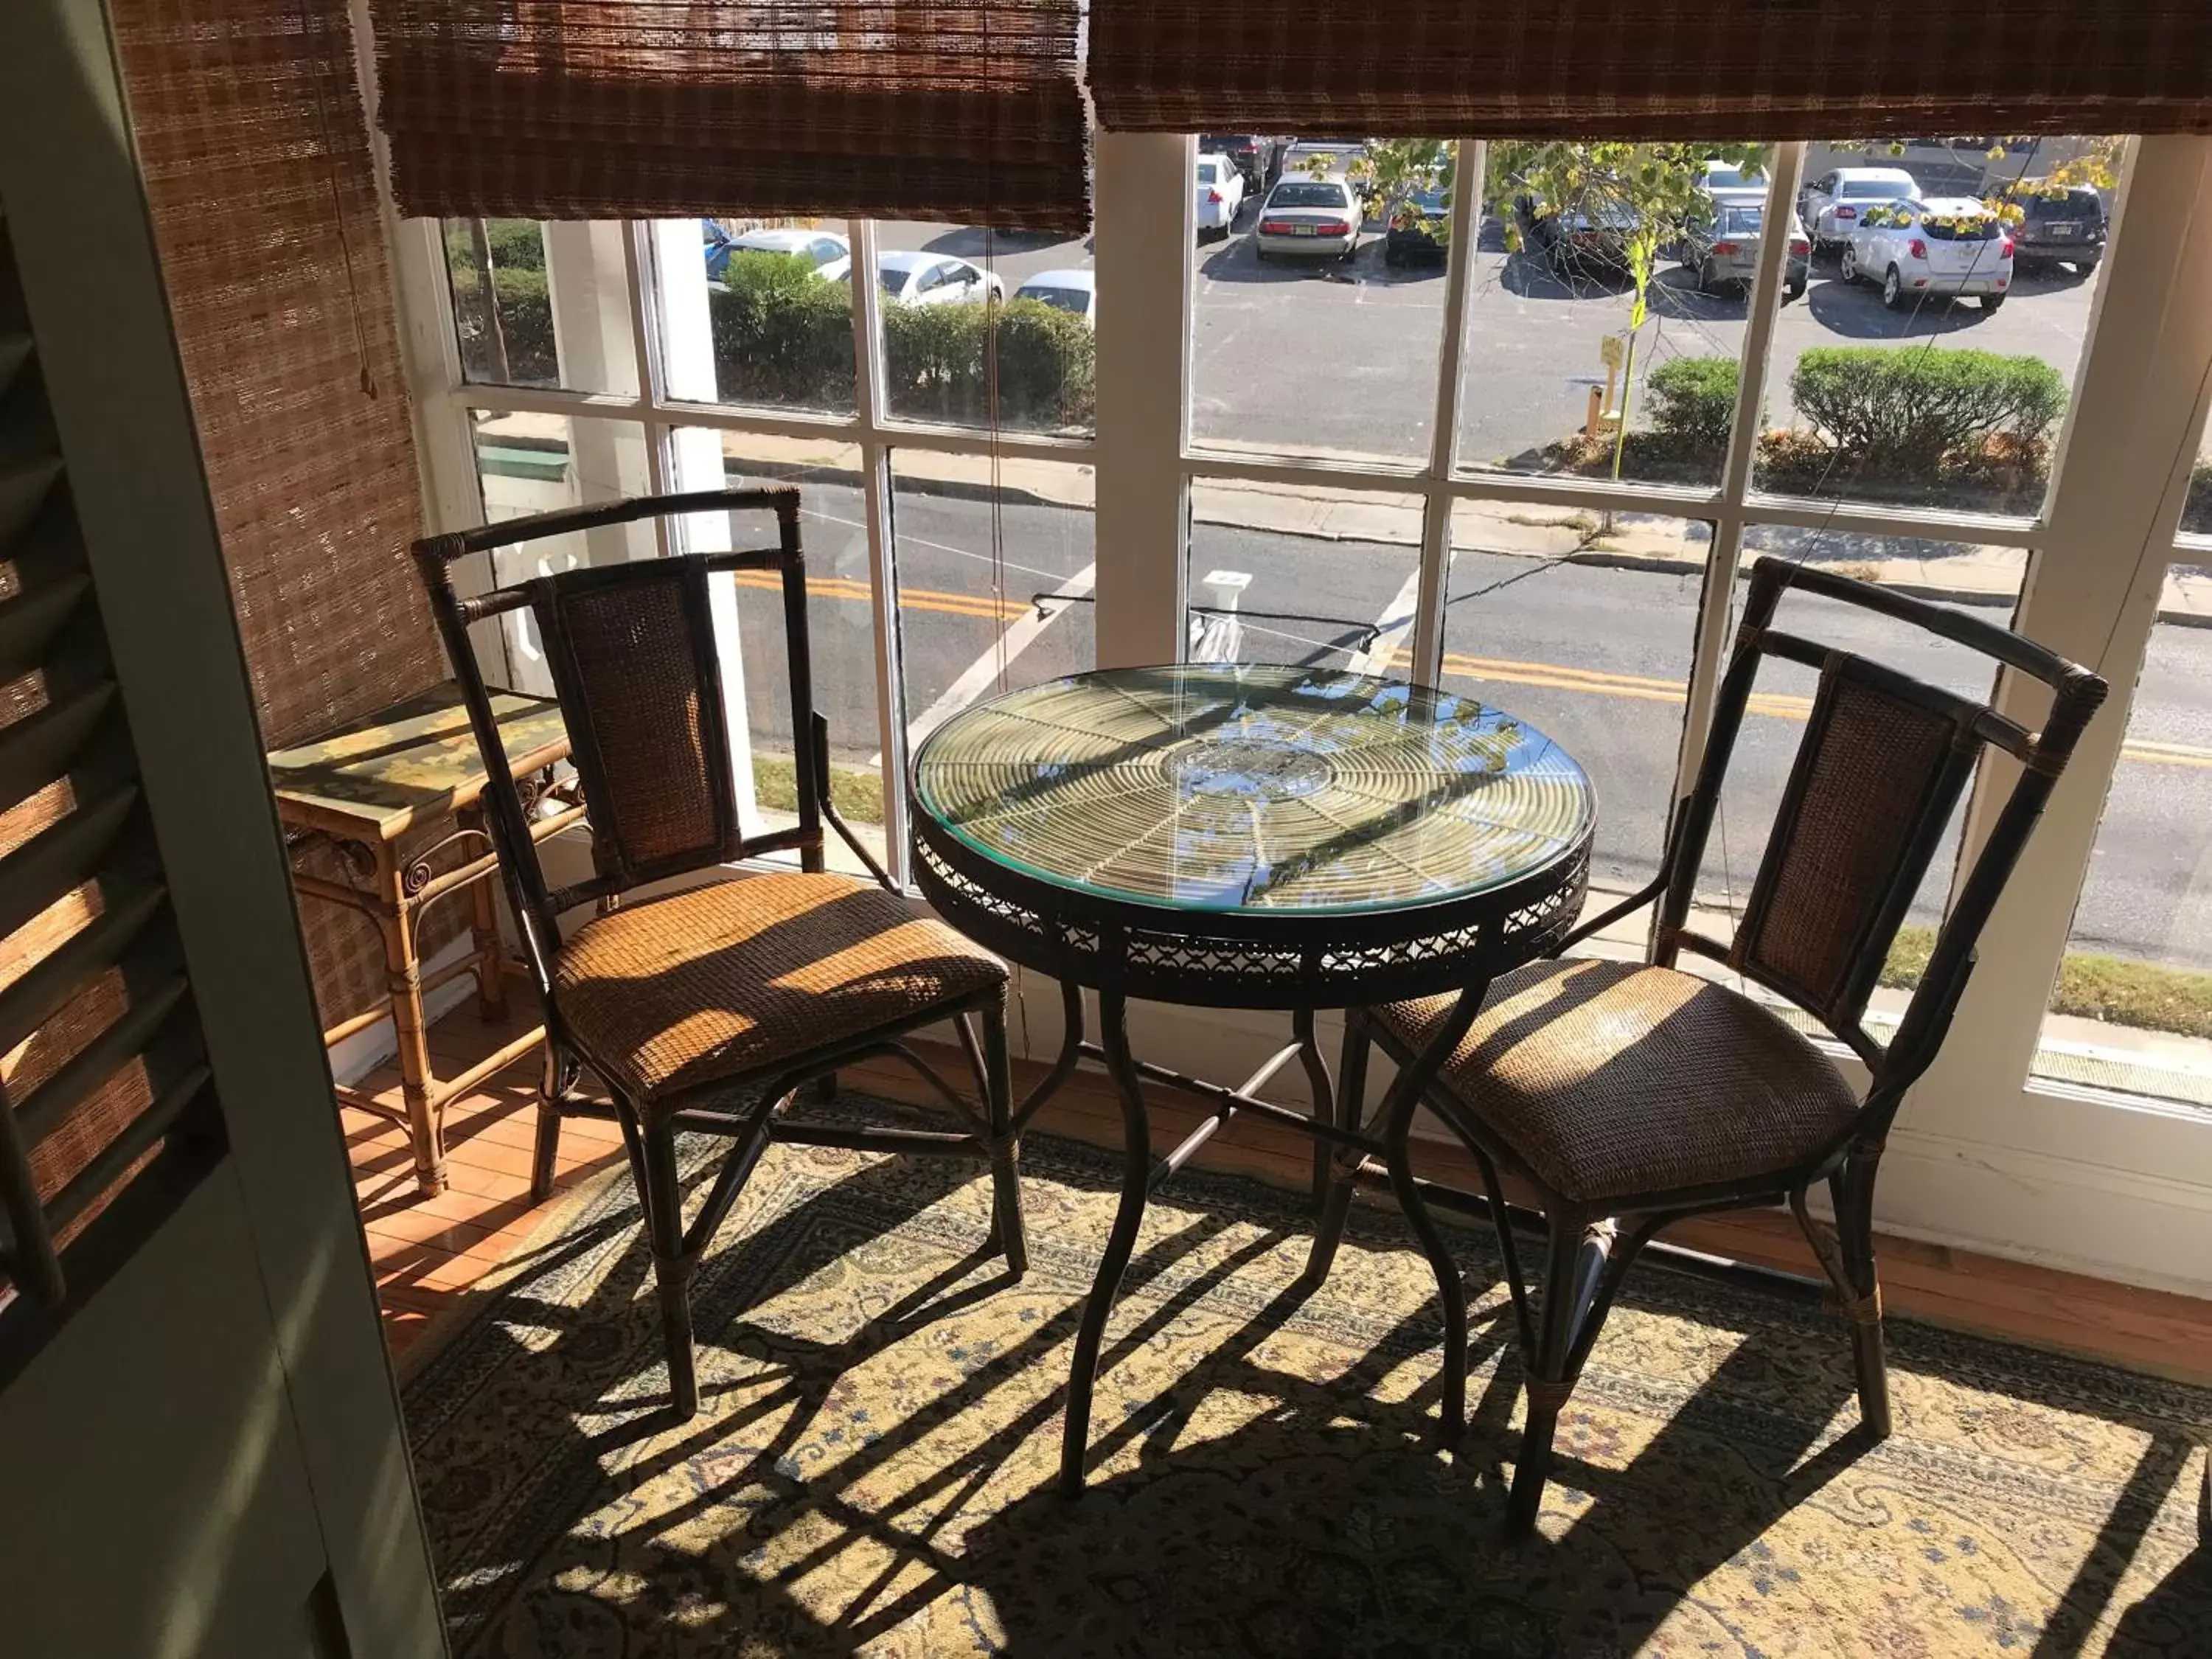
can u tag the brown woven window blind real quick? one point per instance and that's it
(1654, 69)
(248, 122)
(590, 109)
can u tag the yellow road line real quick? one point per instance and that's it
(1552, 677)
(910, 598)
(1775, 705)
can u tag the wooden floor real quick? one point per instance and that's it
(427, 1252)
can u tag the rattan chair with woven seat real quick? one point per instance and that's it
(714, 1007)
(1625, 1095)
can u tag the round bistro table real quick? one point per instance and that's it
(1241, 835)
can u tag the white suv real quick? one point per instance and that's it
(1832, 202)
(1947, 245)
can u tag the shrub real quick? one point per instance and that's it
(515, 244)
(1910, 409)
(781, 334)
(1691, 400)
(526, 326)
(2196, 511)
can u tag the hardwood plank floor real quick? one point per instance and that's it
(427, 1252)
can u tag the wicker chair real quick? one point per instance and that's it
(710, 1008)
(1627, 1096)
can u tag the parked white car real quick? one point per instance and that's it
(1066, 290)
(1309, 216)
(933, 279)
(1832, 202)
(829, 254)
(1946, 245)
(1731, 186)
(1220, 192)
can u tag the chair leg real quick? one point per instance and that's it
(663, 1200)
(1451, 1290)
(1547, 1380)
(546, 1148)
(1851, 1191)
(1335, 1197)
(1007, 1232)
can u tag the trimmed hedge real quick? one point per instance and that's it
(1692, 399)
(1954, 426)
(516, 245)
(526, 325)
(1911, 410)
(2196, 511)
(783, 336)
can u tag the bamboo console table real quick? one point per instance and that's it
(357, 793)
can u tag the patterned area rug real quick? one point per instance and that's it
(872, 1472)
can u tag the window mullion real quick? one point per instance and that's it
(1717, 604)
(883, 565)
(1146, 231)
(1469, 176)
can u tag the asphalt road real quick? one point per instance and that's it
(1594, 657)
(1341, 356)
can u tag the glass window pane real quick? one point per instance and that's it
(1951, 290)
(1594, 656)
(542, 304)
(1305, 574)
(1983, 581)
(748, 622)
(1565, 369)
(757, 312)
(1317, 303)
(2132, 1009)
(2196, 508)
(530, 463)
(935, 286)
(971, 627)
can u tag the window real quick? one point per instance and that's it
(756, 314)
(1316, 276)
(1904, 379)
(1609, 301)
(1420, 446)
(541, 305)
(2131, 1009)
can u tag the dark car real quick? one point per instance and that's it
(1418, 220)
(1258, 157)
(2060, 227)
(1590, 236)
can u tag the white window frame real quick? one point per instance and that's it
(1984, 1155)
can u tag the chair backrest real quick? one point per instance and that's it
(1881, 767)
(632, 653)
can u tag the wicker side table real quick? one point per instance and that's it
(409, 768)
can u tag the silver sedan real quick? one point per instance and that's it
(1723, 248)
(1310, 218)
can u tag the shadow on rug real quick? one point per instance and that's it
(871, 1469)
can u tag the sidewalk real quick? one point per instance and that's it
(1983, 575)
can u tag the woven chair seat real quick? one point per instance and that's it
(720, 981)
(1614, 1079)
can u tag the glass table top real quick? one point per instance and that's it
(1251, 788)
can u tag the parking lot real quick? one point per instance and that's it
(1339, 356)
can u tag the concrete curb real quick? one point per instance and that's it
(953, 488)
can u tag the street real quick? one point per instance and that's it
(1594, 657)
